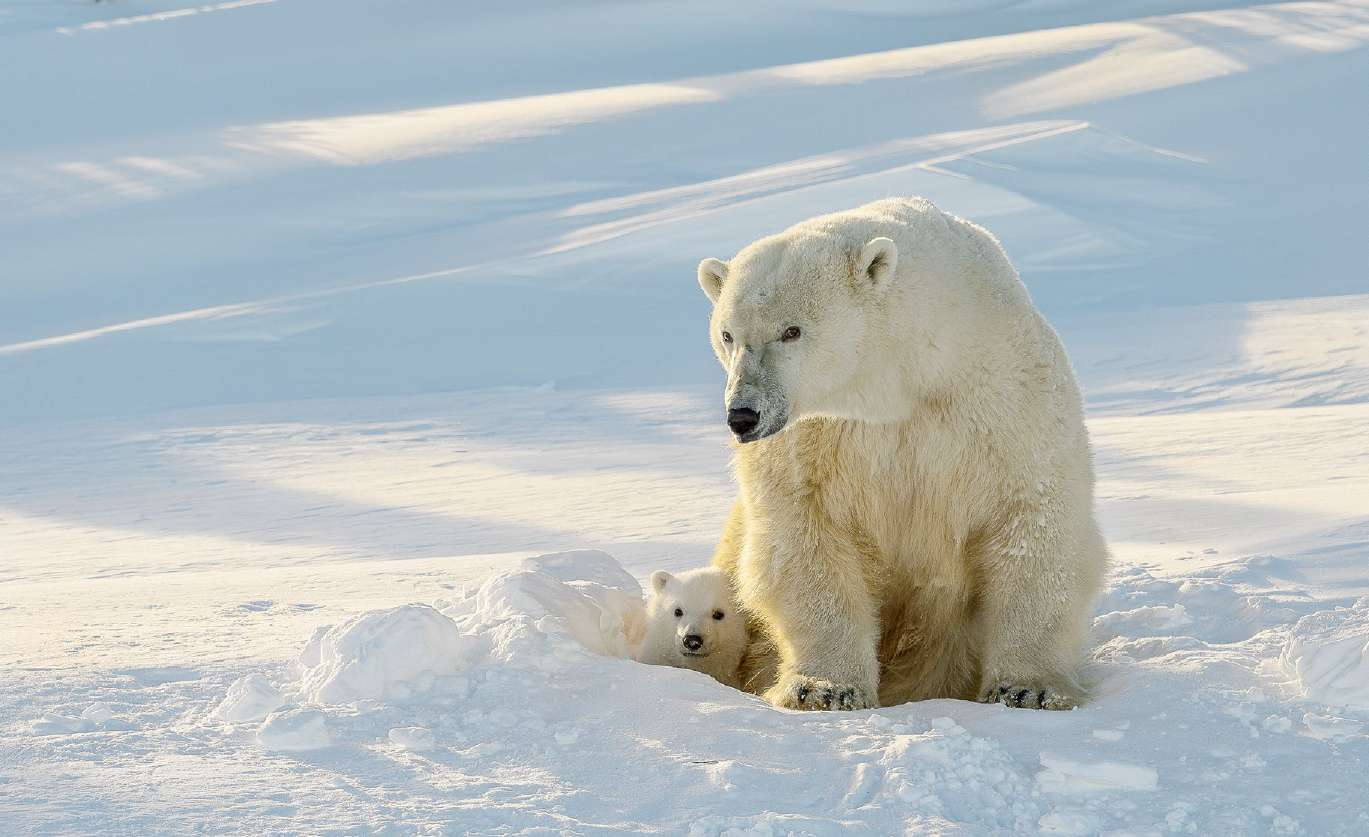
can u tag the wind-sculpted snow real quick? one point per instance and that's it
(1328, 655)
(306, 605)
(572, 602)
(391, 654)
(549, 616)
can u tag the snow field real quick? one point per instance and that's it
(298, 387)
(533, 666)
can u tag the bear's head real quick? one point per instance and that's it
(694, 613)
(791, 315)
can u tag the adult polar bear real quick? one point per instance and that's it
(923, 526)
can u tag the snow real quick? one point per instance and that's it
(1063, 775)
(1327, 654)
(294, 729)
(416, 739)
(391, 654)
(356, 378)
(250, 698)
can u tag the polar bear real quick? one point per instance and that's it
(915, 516)
(692, 621)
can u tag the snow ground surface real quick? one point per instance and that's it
(356, 373)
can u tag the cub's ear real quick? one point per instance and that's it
(712, 272)
(877, 261)
(660, 579)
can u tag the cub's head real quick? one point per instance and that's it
(698, 605)
(789, 322)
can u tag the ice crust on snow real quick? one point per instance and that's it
(1327, 655)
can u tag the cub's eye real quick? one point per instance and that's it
(727, 337)
(791, 333)
(678, 613)
(718, 614)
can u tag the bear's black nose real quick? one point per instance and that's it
(693, 642)
(743, 420)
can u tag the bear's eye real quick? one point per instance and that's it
(678, 613)
(718, 614)
(791, 333)
(727, 337)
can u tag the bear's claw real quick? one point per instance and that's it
(801, 692)
(1027, 697)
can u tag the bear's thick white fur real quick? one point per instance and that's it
(694, 607)
(915, 517)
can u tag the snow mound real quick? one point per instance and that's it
(295, 729)
(385, 655)
(1327, 653)
(54, 723)
(552, 613)
(250, 698)
(584, 565)
(555, 607)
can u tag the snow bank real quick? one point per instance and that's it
(388, 654)
(565, 603)
(550, 613)
(1327, 654)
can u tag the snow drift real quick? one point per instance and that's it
(1327, 654)
(549, 615)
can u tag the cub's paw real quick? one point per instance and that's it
(1028, 697)
(798, 691)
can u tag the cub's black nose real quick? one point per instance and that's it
(693, 642)
(743, 420)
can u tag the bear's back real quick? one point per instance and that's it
(931, 242)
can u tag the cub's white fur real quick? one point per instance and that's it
(916, 509)
(693, 622)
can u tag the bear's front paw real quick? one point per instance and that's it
(1028, 697)
(798, 691)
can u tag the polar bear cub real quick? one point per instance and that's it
(692, 621)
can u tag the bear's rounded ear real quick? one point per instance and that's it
(659, 579)
(877, 261)
(712, 272)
